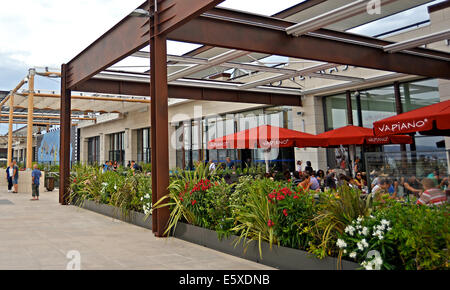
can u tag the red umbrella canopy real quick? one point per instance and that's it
(264, 137)
(431, 118)
(354, 135)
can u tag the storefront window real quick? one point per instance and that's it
(193, 137)
(117, 147)
(143, 146)
(94, 150)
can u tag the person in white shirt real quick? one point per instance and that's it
(212, 166)
(299, 166)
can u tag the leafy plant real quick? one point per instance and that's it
(255, 218)
(338, 209)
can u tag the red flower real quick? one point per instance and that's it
(194, 202)
(285, 212)
(270, 223)
(74, 180)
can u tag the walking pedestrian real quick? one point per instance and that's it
(15, 177)
(9, 176)
(35, 182)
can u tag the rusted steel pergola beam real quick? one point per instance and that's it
(190, 93)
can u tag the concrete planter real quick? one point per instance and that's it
(279, 257)
(135, 218)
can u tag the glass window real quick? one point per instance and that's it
(336, 112)
(376, 104)
(419, 94)
(143, 146)
(117, 147)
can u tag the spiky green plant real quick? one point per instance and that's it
(253, 218)
(181, 182)
(338, 210)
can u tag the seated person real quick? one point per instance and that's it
(412, 186)
(296, 180)
(310, 183)
(432, 196)
(380, 189)
(359, 181)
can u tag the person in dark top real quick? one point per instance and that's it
(229, 163)
(296, 180)
(115, 166)
(330, 180)
(15, 177)
(35, 180)
(287, 175)
(412, 186)
(9, 176)
(308, 168)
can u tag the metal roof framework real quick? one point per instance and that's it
(241, 35)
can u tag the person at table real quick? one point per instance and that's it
(359, 181)
(432, 196)
(310, 183)
(229, 163)
(381, 188)
(299, 166)
(297, 179)
(308, 168)
(412, 186)
(434, 175)
(330, 180)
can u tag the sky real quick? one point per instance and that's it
(47, 33)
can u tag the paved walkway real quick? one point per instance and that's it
(39, 234)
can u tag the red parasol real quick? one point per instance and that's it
(430, 120)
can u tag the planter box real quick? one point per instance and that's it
(135, 218)
(279, 257)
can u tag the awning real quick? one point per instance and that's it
(430, 120)
(265, 137)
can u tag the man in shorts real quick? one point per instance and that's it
(35, 180)
(15, 177)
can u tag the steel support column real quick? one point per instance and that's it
(31, 75)
(349, 108)
(159, 127)
(64, 154)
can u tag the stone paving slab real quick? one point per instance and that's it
(39, 234)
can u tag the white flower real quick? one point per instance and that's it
(364, 243)
(345, 251)
(389, 229)
(352, 255)
(350, 230)
(359, 219)
(341, 244)
(360, 246)
(365, 231)
(385, 222)
(378, 261)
